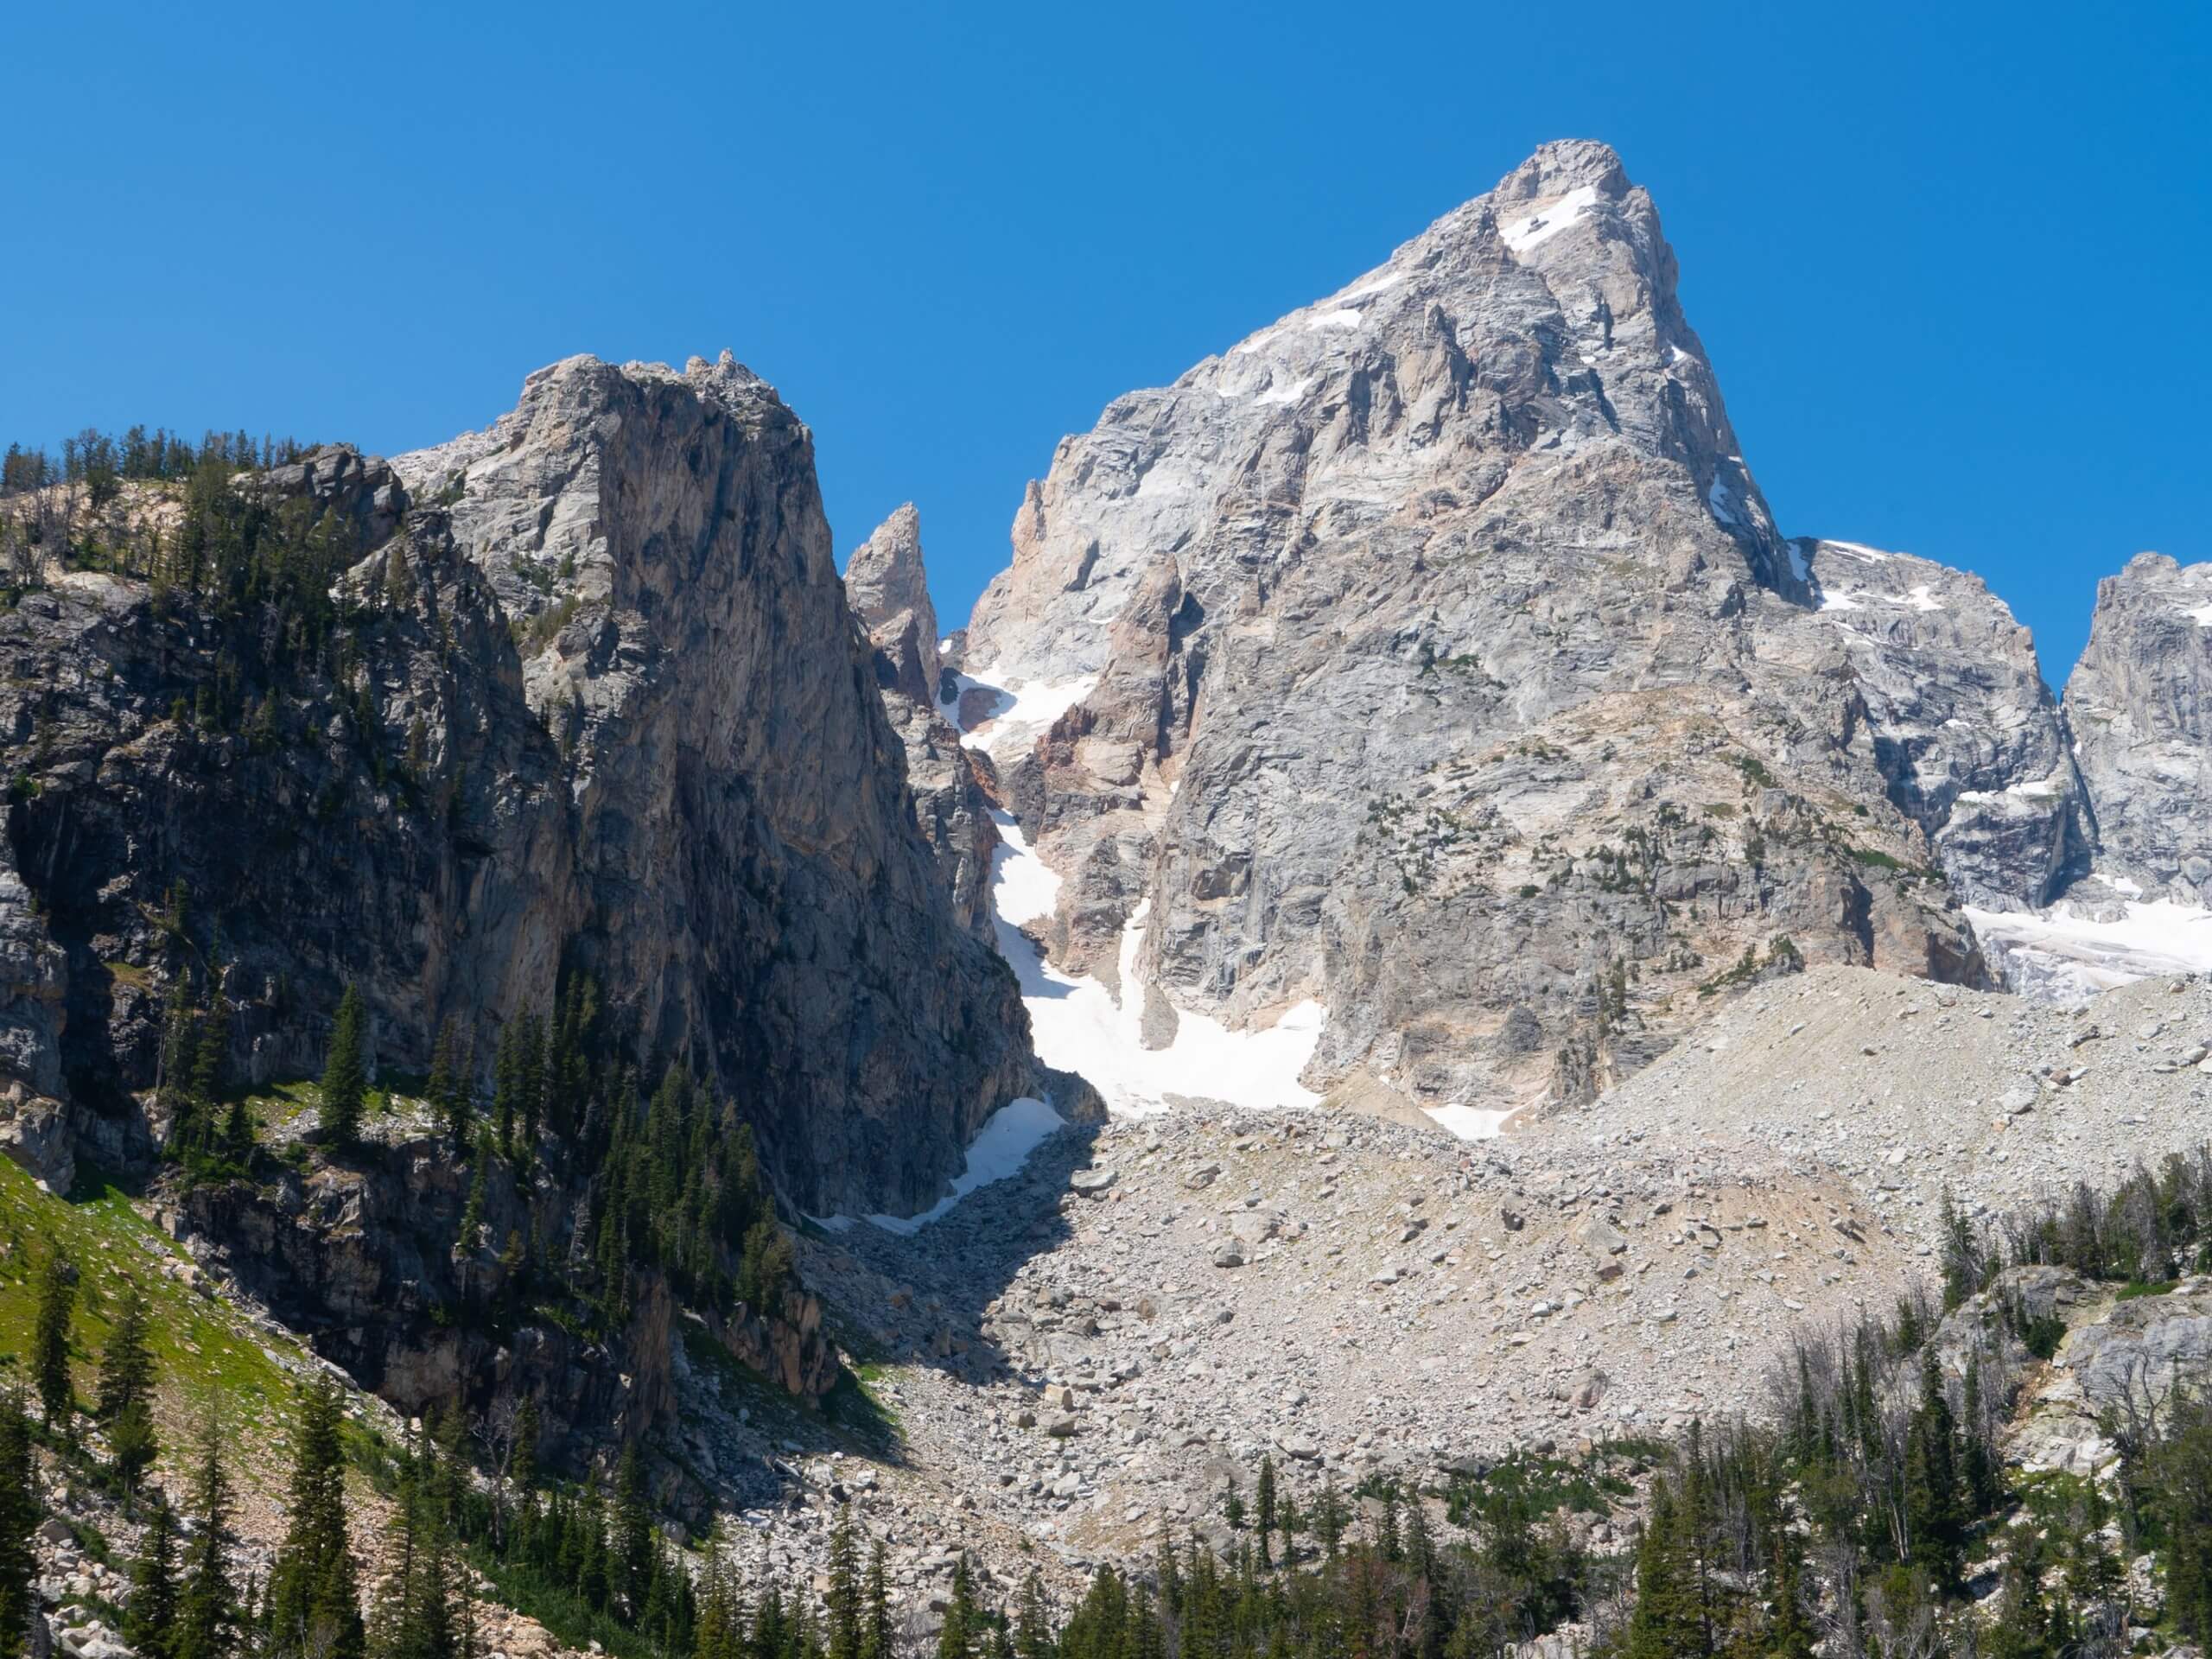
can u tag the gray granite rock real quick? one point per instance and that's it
(1436, 657)
(2140, 704)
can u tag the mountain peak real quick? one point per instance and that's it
(1560, 166)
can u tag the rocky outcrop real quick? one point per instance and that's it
(367, 1259)
(2140, 704)
(1432, 654)
(1966, 733)
(888, 589)
(591, 699)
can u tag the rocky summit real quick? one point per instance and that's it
(1432, 654)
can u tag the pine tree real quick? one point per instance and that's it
(1934, 1507)
(133, 1444)
(151, 1624)
(632, 1562)
(57, 1303)
(449, 1085)
(345, 1073)
(238, 1133)
(18, 1518)
(1789, 1635)
(1977, 1467)
(1265, 1504)
(1329, 1520)
(841, 1603)
(1033, 1630)
(207, 1625)
(211, 1055)
(123, 1396)
(877, 1639)
(417, 1615)
(1668, 1622)
(314, 1592)
(962, 1617)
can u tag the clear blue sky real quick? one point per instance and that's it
(1950, 261)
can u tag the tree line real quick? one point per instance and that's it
(1873, 1519)
(102, 461)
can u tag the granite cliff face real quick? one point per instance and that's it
(601, 706)
(1433, 655)
(2140, 703)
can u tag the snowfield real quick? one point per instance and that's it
(1078, 1026)
(2057, 954)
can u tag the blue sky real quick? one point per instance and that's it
(1950, 262)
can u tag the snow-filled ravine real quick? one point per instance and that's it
(1000, 1149)
(1075, 1023)
(1078, 1026)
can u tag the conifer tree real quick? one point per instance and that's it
(962, 1617)
(1934, 1507)
(57, 1304)
(1264, 1502)
(449, 1085)
(1668, 1622)
(345, 1073)
(207, 1625)
(632, 1563)
(877, 1639)
(125, 1387)
(18, 1518)
(1789, 1634)
(1977, 1467)
(314, 1600)
(150, 1626)
(841, 1602)
(1329, 1520)
(238, 1133)
(132, 1443)
(1032, 1632)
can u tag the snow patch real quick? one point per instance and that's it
(1856, 550)
(1000, 1147)
(1922, 597)
(1017, 713)
(2057, 954)
(1470, 1123)
(1077, 1025)
(1246, 347)
(1719, 499)
(1341, 317)
(1541, 226)
(1798, 567)
(1377, 285)
(2201, 615)
(1282, 394)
